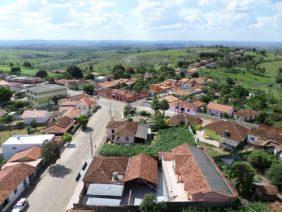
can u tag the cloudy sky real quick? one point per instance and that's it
(242, 20)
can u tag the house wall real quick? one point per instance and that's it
(124, 140)
(44, 98)
(219, 113)
(210, 197)
(14, 195)
(188, 111)
(10, 149)
(39, 120)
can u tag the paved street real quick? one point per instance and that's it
(57, 183)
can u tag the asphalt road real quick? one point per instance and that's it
(57, 184)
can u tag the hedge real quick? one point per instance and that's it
(166, 140)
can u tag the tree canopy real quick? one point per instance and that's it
(75, 72)
(5, 94)
(41, 73)
(51, 152)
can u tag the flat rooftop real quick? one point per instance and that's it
(46, 88)
(28, 139)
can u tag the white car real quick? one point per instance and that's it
(21, 205)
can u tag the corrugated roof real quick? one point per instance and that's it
(91, 201)
(115, 190)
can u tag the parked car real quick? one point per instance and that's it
(21, 205)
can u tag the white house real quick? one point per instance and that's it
(86, 106)
(17, 143)
(40, 116)
(13, 181)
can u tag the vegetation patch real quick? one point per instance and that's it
(166, 140)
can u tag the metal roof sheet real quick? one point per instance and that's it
(115, 190)
(211, 174)
(91, 201)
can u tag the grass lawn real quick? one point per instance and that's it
(4, 135)
(248, 80)
(25, 72)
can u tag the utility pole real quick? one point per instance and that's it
(91, 144)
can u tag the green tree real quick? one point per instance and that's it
(164, 105)
(243, 173)
(67, 138)
(230, 81)
(27, 64)
(90, 76)
(41, 73)
(5, 94)
(89, 89)
(274, 174)
(155, 104)
(51, 152)
(75, 72)
(83, 120)
(33, 124)
(129, 110)
(120, 72)
(150, 204)
(15, 70)
(159, 121)
(260, 159)
(20, 125)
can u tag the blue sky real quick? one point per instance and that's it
(241, 20)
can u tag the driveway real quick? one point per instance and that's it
(57, 184)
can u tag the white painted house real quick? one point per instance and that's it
(13, 181)
(17, 143)
(40, 116)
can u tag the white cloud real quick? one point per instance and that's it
(45, 16)
(207, 2)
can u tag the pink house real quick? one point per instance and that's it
(184, 107)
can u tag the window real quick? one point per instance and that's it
(15, 191)
(14, 147)
(113, 131)
(126, 138)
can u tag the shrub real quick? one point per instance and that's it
(274, 174)
(260, 159)
(243, 173)
(150, 203)
(20, 125)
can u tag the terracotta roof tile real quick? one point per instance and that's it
(246, 113)
(123, 128)
(11, 177)
(219, 107)
(61, 126)
(102, 168)
(142, 167)
(237, 132)
(183, 118)
(31, 154)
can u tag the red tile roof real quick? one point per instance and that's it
(79, 97)
(219, 107)
(237, 132)
(61, 126)
(247, 113)
(183, 118)
(31, 154)
(142, 167)
(123, 128)
(11, 177)
(191, 174)
(102, 168)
